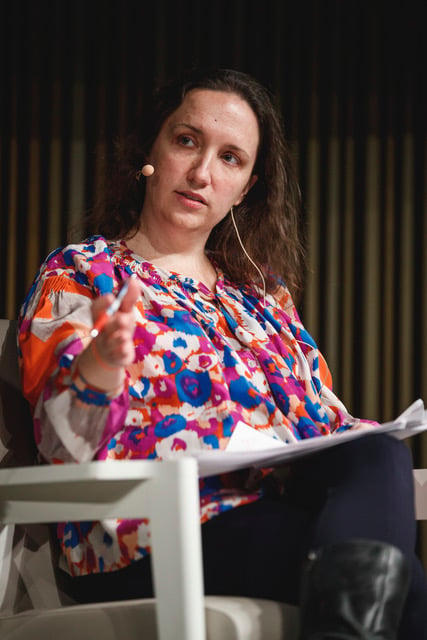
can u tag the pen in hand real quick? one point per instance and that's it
(110, 310)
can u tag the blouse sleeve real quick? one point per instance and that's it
(72, 421)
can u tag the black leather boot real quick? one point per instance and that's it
(352, 590)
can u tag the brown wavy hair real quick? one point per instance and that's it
(267, 218)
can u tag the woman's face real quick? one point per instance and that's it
(203, 159)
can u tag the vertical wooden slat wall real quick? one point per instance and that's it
(350, 77)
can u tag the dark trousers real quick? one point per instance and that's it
(359, 489)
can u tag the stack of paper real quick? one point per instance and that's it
(250, 448)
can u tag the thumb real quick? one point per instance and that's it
(100, 304)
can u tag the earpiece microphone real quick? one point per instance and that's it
(147, 170)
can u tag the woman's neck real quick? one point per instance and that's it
(189, 261)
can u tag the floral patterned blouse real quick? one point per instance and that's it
(204, 361)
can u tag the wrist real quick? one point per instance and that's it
(94, 391)
(97, 374)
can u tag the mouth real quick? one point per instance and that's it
(190, 195)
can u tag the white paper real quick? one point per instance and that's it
(252, 450)
(245, 438)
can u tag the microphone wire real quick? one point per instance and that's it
(247, 254)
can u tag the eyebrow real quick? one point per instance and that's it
(235, 147)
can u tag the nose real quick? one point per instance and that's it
(200, 172)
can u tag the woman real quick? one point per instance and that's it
(202, 212)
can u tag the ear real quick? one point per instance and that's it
(250, 184)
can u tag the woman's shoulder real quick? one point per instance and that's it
(285, 302)
(89, 262)
(89, 249)
(85, 268)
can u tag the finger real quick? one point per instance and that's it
(119, 328)
(115, 345)
(132, 295)
(100, 304)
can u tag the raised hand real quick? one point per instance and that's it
(102, 363)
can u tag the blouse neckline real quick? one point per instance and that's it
(171, 278)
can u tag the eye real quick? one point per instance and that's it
(231, 158)
(185, 141)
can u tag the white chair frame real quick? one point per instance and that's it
(166, 492)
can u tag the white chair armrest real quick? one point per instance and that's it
(164, 491)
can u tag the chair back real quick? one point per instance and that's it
(25, 550)
(17, 446)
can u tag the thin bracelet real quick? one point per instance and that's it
(108, 392)
(82, 378)
(102, 363)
